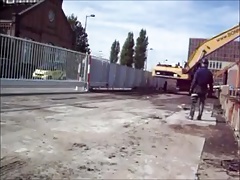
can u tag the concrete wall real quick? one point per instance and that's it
(231, 106)
(233, 76)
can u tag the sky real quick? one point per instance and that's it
(169, 24)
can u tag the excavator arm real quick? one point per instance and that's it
(184, 75)
(210, 46)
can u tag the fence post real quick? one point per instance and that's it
(80, 74)
(79, 71)
(238, 76)
(86, 74)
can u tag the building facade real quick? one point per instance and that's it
(42, 21)
(219, 59)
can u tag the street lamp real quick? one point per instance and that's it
(100, 53)
(87, 16)
(150, 49)
(164, 61)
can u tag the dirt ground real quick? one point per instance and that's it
(111, 136)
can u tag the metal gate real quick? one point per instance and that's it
(25, 63)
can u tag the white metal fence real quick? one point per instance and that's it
(27, 63)
(39, 63)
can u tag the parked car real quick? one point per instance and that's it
(49, 70)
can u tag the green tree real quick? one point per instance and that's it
(141, 50)
(115, 49)
(80, 36)
(126, 57)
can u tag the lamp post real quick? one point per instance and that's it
(165, 61)
(87, 16)
(100, 54)
(150, 49)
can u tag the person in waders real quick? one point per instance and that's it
(199, 88)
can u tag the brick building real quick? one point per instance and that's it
(221, 57)
(38, 20)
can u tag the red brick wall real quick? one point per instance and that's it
(35, 24)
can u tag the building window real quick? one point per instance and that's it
(216, 65)
(220, 65)
(213, 65)
(210, 65)
(61, 56)
(49, 53)
(5, 30)
(236, 56)
(27, 50)
(54, 54)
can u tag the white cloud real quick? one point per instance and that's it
(169, 24)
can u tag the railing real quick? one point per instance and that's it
(26, 59)
(235, 93)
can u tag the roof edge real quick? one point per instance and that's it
(31, 7)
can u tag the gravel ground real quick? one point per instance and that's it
(110, 136)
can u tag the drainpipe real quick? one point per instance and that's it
(225, 77)
(238, 76)
(15, 25)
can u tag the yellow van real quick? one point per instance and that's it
(53, 70)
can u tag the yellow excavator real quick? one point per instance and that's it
(184, 75)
